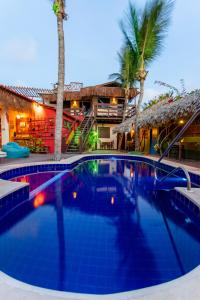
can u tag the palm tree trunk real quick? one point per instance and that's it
(124, 116)
(137, 133)
(60, 89)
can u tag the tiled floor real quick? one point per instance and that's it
(190, 165)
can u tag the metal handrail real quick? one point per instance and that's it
(166, 137)
(185, 127)
(187, 175)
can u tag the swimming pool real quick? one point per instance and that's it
(103, 227)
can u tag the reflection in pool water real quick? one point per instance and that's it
(101, 228)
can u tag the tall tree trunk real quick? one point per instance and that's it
(137, 133)
(60, 88)
(127, 90)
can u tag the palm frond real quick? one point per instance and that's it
(154, 25)
(116, 77)
(144, 33)
(128, 68)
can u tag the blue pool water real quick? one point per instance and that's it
(102, 228)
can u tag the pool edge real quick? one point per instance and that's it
(185, 287)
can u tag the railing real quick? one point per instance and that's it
(69, 137)
(187, 175)
(113, 111)
(75, 111)
(179, 135)
(131, 112)
(108, 110)
(166, 137)
(86, 130)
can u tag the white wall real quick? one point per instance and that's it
(4, 127)
(113, 136)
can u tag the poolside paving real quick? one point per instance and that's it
(191, 166)
(31, 159)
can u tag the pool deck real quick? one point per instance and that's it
(191, 166)
(184, 288)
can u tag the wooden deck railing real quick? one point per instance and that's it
(75, 111)
(103, 110)
(113, 111)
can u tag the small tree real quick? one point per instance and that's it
(93, 139)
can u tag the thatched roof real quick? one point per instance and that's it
(13, 100)
(30, 92)
(164, 112)
(109, 89)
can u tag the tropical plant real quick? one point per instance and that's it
(158, 99)
(93, 139)
(172, 88)
(59, 10)
(144, 33)
(126, 77)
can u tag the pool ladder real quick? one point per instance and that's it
(187, 175)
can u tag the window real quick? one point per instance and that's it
(104, 132)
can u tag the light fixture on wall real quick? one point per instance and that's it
(154, 132)
(114, 101)
(18, 117)
(37, 108)
(181, 122)
(132, 132)
(74, 104)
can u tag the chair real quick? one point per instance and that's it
(14, 150)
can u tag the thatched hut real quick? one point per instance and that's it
(161, 122)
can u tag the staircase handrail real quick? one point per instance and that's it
(130, 112)
(178, 136)
(166, 137)
(88, 131)
(86, 128)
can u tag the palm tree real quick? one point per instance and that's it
(144, 33)
(126, 77)
(59, 10)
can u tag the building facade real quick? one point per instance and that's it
(30, 123)
(103, 103)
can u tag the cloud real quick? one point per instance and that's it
(19, 50)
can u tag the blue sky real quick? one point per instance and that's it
(28, 47)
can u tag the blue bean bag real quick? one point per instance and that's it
(14, 150)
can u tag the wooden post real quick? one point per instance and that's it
(179, 151)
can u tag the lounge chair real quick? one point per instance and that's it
(14, 150)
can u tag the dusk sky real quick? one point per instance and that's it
(28, 47)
